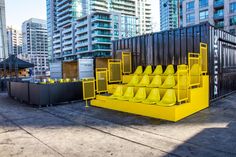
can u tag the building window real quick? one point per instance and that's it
(190, 6)
(232, 21)
(190, 18)
(232, 7)
(203, 3)
(203, 15)
(232, 31)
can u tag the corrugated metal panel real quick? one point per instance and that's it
(172, 47)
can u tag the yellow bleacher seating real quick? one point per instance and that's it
(139, 96)
(148, 70)
(118, 92)
(134, 81)
(169, 82)
(139, 70)
(153, 97)
(158, 70)
(156, 81)
(129, 93)
(169, 70)
(169, 98)
(144, 81)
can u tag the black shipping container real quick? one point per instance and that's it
(173, 46)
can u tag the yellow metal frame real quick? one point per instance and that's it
(114, 61)
(194, 57)
(182, 73)
(204, 58)
(98, 72)
(88, 81)
(125, 54)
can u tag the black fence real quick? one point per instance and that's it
(173, 46)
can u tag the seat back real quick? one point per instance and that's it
(195, 69)
(158, 70)
(129, 93)
(169, 97)
(145, 80)
(195, 74)
(148, 70)
(169, 82)
(119, 91)
(154, 95)
(169, 70)
(183, 82)
(139, 70)
(141, 94)
(156, 81)
(134, 80)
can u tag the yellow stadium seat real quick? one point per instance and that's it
(195, 74)
(195, 69)
(139, 70)
(144, 81)
(66, 80)
(139, 96)
(158, 70)
(148, 70)
(118, 92)
(61, 81)
(153, 97)
(169, 98)
(129, 93)
(169, 82)
(134, 81)
(182, 82)
(169, 70)
(156, 82)
(181, 67)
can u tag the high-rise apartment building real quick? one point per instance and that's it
(65, 15)
(14, 41)
(35, 44)
(144, 17)
(91, 35)
(220, 13)
(169, 14)
(3, 32)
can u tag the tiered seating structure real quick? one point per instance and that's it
(167, 94)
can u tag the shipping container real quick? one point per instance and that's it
(173, 46)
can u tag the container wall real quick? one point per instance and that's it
(222, 68)
(173, 46)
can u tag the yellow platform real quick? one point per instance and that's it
(199, 100)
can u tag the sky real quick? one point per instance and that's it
(18, 11)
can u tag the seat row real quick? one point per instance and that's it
(141, 96)
(52, 81)
(158, 70)
(156, 82)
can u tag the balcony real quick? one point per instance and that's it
(100, 26)
(218, 15)
(78, 45)
(101, 34)
(81, 31)
(67, 43)
(103, 41)
(218, 4)
(220, 24)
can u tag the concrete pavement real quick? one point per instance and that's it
(72, 130)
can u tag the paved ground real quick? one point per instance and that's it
(72, 130)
